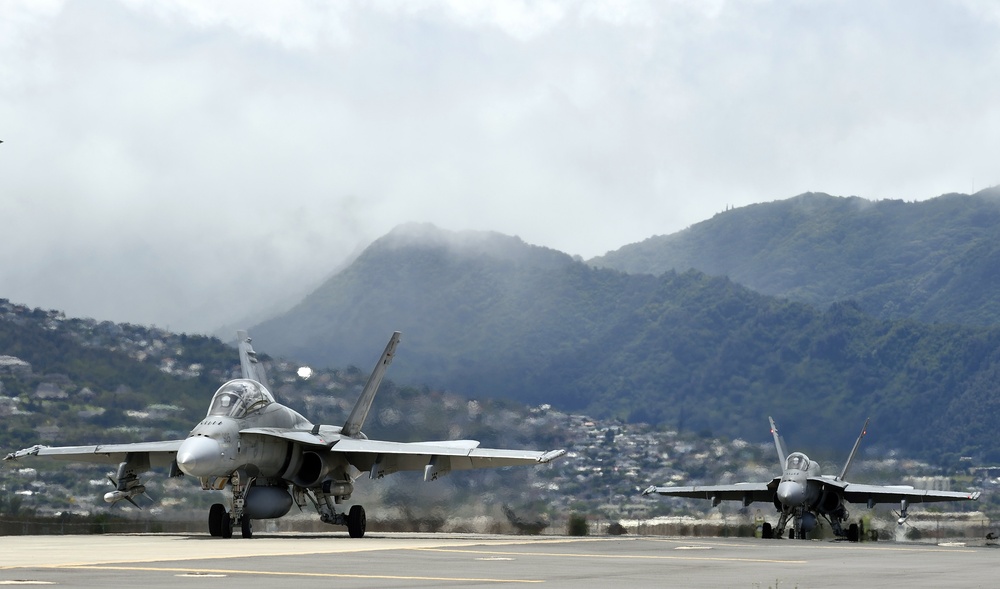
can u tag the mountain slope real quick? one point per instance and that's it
(936, 260)
(485, 314)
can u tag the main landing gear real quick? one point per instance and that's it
(356, 521)
(220, 523)
(325, 504)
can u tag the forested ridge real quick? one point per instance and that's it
(486, 314)
(934, 261)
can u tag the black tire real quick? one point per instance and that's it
(766, 531)
(227, 526)
(852, 533)
(215, 516)
(246, 527)
(791, 534)
(356, 522)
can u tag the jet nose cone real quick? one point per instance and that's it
(199, 456)
(791, 493)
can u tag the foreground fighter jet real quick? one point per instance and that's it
(802, 493)
(271, 456)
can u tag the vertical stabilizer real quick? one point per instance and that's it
(251, 367)
(360, 412)
(780, 447)
(854, 450)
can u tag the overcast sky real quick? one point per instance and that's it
(186, 164)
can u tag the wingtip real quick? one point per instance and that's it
(649, 490)
(32, 451)
(550, 456)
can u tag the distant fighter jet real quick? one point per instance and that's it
(271, 456)
(802, 494)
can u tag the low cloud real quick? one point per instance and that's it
(188, 164)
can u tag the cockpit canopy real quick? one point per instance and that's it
(237, 398)
(797, 461)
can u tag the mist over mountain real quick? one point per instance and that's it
(488, 315)
(933, 261)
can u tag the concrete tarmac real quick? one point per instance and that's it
(469, 560)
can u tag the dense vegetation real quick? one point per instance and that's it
(486, 314)
(933, 261)
(112, 379)
(99, 383)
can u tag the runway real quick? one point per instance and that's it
(465, 560)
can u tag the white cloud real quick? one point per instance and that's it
(186, 163)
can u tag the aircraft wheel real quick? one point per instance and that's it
(215, 516)
(227, 526)
(766, 531)
(791, 534)
(356, 521)
(247, 527)
(852, 533)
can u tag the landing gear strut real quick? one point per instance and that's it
(325, 504)
(221, 522)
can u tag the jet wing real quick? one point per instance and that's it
(894, 494)
(160, 453)
(434, 458)
(746, 492)
(382, 458)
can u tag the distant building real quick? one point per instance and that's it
(47, 433)
(931, 483)
(14, 366)
(48, 391)
(8, 405)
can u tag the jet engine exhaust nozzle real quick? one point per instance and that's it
(199, 456)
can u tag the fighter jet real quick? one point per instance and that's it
(802, 494)
(271, 457)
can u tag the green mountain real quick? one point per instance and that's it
(933, 261)
(488, 315)
(69, 381)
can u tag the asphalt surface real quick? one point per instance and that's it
(460, 560)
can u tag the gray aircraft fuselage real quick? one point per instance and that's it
(803, 493)
(215, 448)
